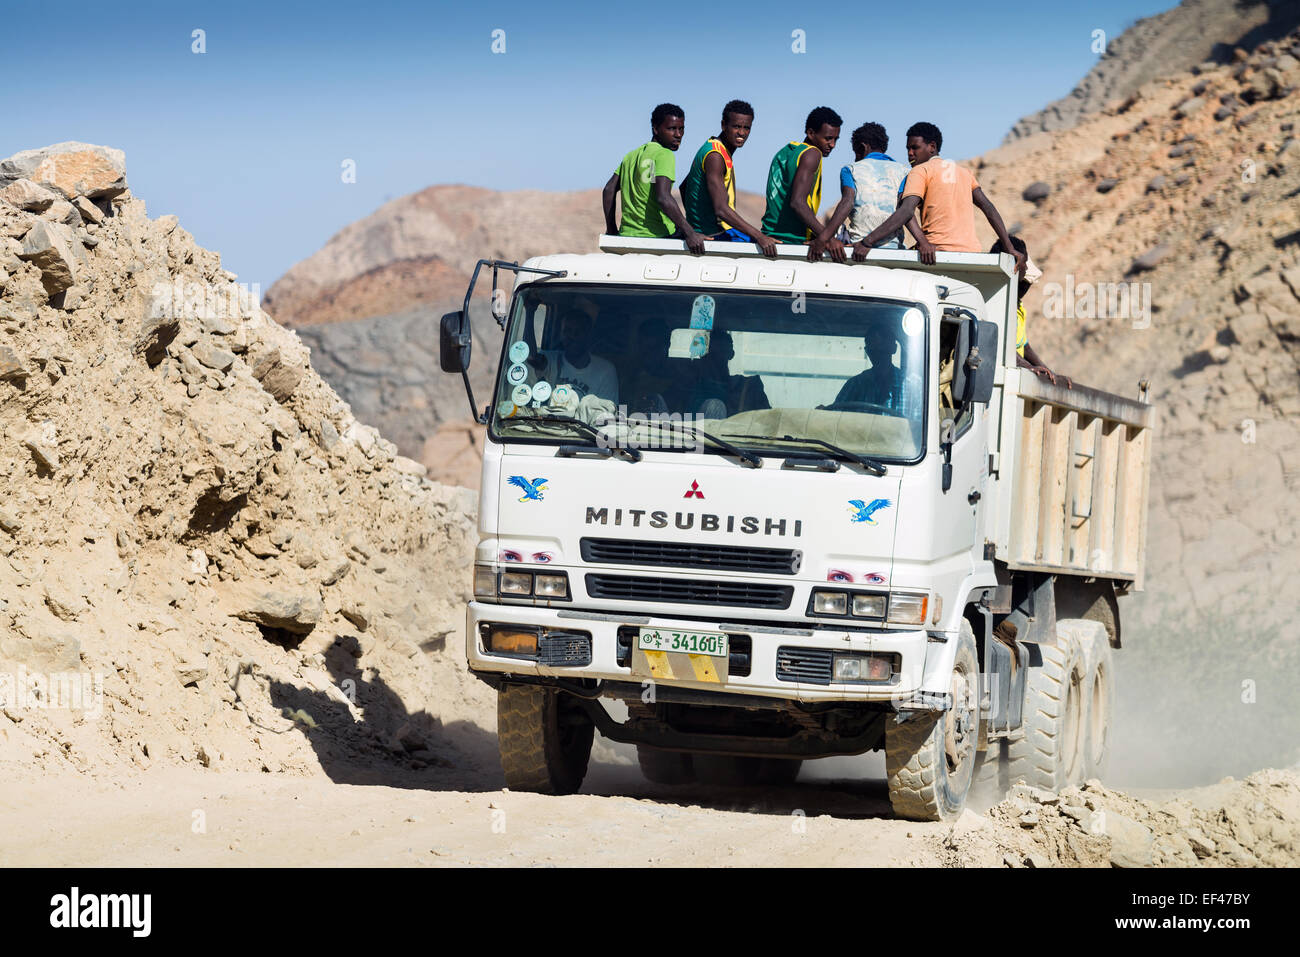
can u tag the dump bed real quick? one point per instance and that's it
(1077, 476)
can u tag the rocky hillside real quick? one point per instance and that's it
(1189, 194)
(1193, 33)
(204, 557)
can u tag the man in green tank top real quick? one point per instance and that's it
(794, 186)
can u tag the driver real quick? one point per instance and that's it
(882, 384)
(574, 364)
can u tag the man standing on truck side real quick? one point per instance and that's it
(709, 189)
(1026, 357)
(947, 196)
(645, 178)
(869, 189)
(794, 186)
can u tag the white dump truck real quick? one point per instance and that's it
(785, 510)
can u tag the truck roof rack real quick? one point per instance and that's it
(896, 258)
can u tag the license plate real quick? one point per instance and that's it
(683, 642)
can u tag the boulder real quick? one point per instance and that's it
(291, 611)
(54, 250)
(11, 365)
(1190, 106)
(71, 169)
(1151, 258)
(1107, 184)
(28, 196)
(1036, 192)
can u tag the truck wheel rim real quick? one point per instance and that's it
(959, 725)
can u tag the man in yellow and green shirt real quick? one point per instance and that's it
(709, 189)
(1026, 357)
(794, 186)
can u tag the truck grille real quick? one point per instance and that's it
(564, 650)
(811, 665)
(689, 591)
(732, 558)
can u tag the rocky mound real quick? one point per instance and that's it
(204, 557)
(1193, 33)
(1250, 823)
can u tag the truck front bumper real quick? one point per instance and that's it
(909, 649)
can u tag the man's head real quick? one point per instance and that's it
(737, 121)
(822, 129)
(1031, 274)
(668, 125)
(721, 348)
(923, 142)
(577, 326)
(879, 343)
(869, 138)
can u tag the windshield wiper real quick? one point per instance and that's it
(871, 465)
(749, 458)
(599, 438)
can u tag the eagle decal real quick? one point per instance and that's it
(862, 512)
(532, 490)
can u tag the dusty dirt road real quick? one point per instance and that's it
(436, 818)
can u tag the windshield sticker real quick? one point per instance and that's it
(862, 511)
(517, 373)
(912, 322)
(506, 409)
(532, 490)
(702, 312)
(518, 351)
(522, 395)
(541, 391)
(562, 394)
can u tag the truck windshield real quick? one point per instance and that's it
(757, 368)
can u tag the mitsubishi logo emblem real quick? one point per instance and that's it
(694, 491)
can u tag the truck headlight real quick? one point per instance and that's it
(830, 603)
(869, 606)
(516, 583)
(485, 581)
(551, 586)
(862, 668)
(907, 609)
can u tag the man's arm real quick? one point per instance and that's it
(1034, 363)
(664, 194)
(804, 175)
(822, 241)
(896, 221)
(722, 208)
(924, 247)
(607, 198)
(995, 220)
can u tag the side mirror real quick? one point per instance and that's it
(977, 361)
(455, 342)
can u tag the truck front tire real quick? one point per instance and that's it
(931, 758)
(1100, 664)
(544, 738)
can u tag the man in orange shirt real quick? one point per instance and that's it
(947, 196)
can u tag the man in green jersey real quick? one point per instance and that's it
(794, 186)
(709, 188)
(645, 178)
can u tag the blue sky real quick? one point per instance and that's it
(245, 142)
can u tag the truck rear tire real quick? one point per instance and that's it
(544, 738)
(931, 758)
(1050, 752)
(1101, 697)
(665, 767)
